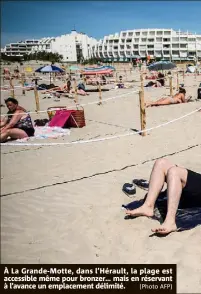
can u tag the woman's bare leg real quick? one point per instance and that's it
(157, 180)
(13, 134)
(162, 101)
(176, 181)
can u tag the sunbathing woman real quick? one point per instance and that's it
(177, 98)
(18, 126)
(182, 185)
(61, 89)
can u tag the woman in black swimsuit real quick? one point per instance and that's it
(183, 188)
(18, 124)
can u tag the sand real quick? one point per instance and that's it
(62, 204)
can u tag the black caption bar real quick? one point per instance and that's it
(143, 279)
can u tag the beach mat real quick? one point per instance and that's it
(96, 90)
(45, 132)
(186, 218)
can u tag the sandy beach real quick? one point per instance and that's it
(62, 204)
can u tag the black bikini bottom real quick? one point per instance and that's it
(29, 131)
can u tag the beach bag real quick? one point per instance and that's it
(77, 118)
(199, 93)
(66, 118)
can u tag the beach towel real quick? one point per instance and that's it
(186, 218)
(60, 118)
(46, 133)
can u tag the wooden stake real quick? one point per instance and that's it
(142, 83)
(177, 81)
(85, 80)
(36, 98)
(12, 92)
(75, 89)
(100, 94)
(22, 83)
(116, 77)
(171, 89)
(125, 74)
(142, 113)
(195, 74)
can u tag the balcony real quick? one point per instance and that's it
(150, 40)
(183, 54)
(158, 54)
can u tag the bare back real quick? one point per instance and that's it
(179, 98)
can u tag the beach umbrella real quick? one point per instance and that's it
(191, 69)
(49, 69)
(28, 69)
(74, 68)
(161, 65)
(97, 72)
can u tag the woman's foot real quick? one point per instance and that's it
(165, 228)
(144, 210)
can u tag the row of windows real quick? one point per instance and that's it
(152, 33)
(181, 46)
(145, 53)
(137, 40)
(146, 33)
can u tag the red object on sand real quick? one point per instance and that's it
(68, 118)
(60, 118)
(99, 72)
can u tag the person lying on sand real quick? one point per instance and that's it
(181, 183)
(62, 88)
(177, 98)
(16, 126)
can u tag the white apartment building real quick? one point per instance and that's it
(43, 44)
(20, 48)
(158, 43)
(74, 47)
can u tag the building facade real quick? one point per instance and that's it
(74, 47)
(20, 48)
(44, 44)
(158, 43)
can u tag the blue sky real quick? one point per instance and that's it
(36, 19)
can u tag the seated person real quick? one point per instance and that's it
(177, 98)
(68, 85)
(160, 81)
(153, 84)
(104, 79)
(120, 86)
(18, 126)
(81, 86)
(182, 185)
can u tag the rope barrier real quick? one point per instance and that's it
(72, 106)
(104, 138)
